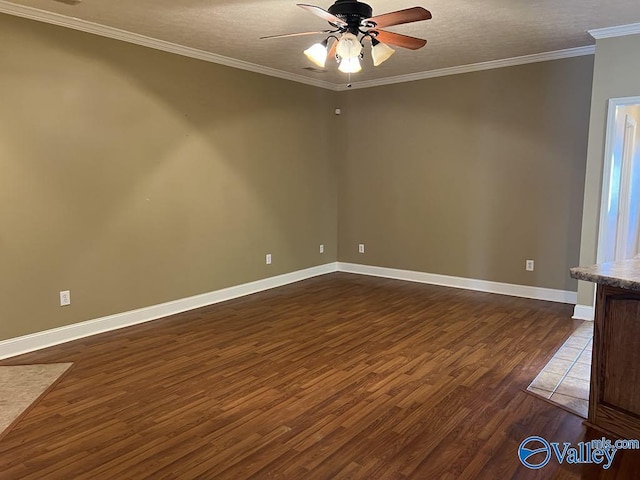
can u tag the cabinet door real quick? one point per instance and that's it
(615, 395)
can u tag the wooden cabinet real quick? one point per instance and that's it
(614, 403)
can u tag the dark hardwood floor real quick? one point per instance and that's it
(340, 376)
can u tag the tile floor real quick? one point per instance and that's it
(565, 379)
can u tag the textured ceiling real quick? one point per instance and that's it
(461, 32)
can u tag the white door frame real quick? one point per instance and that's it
(606, 171)
(628, 147)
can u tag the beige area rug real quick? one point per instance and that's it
(22, 386)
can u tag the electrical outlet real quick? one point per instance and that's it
(268, 259)
(321, 248)
(529, 265)
(65, 298)
(361, 248)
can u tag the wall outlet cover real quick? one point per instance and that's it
(65, 298)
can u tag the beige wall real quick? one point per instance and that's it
(134, 177)
(616, 74)
(469, 175)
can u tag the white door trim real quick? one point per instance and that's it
(606, 169)
(628, 146)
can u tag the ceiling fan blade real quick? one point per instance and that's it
(404, 41)
(70, 2)
(408, 15)
(322, 14)
(286, 35)
(332, 49)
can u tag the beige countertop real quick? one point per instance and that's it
(621, 274)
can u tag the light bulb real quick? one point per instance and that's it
(350, 65)
(349, 46)
(317, 53)
(380, 52)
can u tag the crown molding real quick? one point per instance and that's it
(475, 67)
(618, 31)
(137, 39)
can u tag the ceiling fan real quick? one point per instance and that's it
(352, 22)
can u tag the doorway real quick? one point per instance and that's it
(619, 233)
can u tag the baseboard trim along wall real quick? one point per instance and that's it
(583, 312)
(549, 294)
(56, 336)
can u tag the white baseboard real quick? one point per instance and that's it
(56, 336)
(583, 312)
(48, 338)
(552, 295)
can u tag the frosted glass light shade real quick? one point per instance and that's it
(350, 65)
(349, 46)
(317, 53)
(381, 52)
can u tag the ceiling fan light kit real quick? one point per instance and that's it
(350, 65)
(317, 53)
(349, 46)
(352, 22)
(380, 52)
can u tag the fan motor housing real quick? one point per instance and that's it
(351, 11)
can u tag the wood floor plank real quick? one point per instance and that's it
(339, 376)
